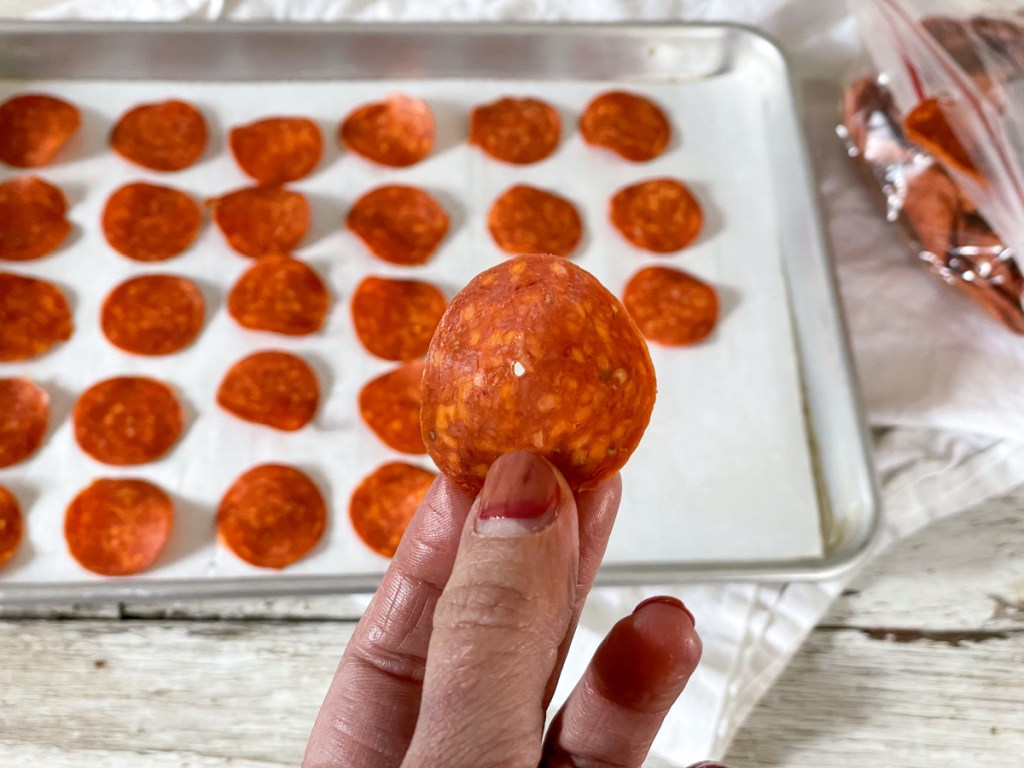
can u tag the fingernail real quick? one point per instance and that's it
(666, 600)
(520, 496)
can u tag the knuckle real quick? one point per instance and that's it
(501, 605)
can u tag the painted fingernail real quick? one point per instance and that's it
(666, 600)
(520, 496)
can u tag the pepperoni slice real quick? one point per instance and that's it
(396, 318)
(926, 126)
(397, 132)
(277, 149)
(260, 220)
(118, 527)
(165, 136)
(282, 295)
(671, 307)
(385, 502)
(630, 125)
(273, 388)
(24, 414)
(32, 222)
(518, 131)
(127, 420)
(525, 219)
(399, 224)
(659, 215)
(390, 405)
(149, 222)
(153, 314)
(34, 316)
(11, 526)
(34, 127)
(272, 516)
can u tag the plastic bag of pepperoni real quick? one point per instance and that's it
(938, 127)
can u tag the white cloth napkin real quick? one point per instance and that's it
(930, 363)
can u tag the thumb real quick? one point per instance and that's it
(499, 622)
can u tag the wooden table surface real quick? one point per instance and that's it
(921, 663)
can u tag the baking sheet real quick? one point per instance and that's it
(724, 473)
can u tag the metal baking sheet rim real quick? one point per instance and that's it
(842, 553)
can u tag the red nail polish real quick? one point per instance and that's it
(667, 600)
(520, 495)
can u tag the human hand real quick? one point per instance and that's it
(459, 652)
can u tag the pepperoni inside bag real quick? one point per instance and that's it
(390, 406)
(628, 124)
(395, 319)
(277, 149)
(397, 132)
(282, 295)
(118, 527)
(399, 224)
(165, 136)
(277, 389)
(34, 127)
(926, 126)
(384, 503)
(11, 525)
(24, 415)
(517, 131)
(670, 306)
(659, 215)
(32, 219)
(525, 219)
(34, 317)
(272, 516)
(149, 222)
(153, 314)
(257, 221)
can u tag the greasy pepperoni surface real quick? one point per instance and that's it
(926, 126)
(384, 502)
(659, 215)
(280, 294)
(34, 316)
(395, 319)
(535, 354)
(164, 136)
(272, 516)
(11, 525)
(32, 219)
(390, 406)
(525, 219)
(34, 127)
(118, 527)
(127, 420)
(398, 131)
(150, 222)
(399, 224)
(24, 414)
(277, 149)
(153, 314)
(630, 125)
(257, 221)
(671, 307)
(518, 131)
(277, 389)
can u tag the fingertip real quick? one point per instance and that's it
(666, 622)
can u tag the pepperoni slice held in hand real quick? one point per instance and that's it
(277, 389)
(11, 525)
(118, 527)
(671, 307)
(280, 294)
(277, 149)
(34, 127)
(399, 224)
(127, 420)
(165, 136)
(529, 220)
(385, 502)
(24, 414)
(517, 131)
(395, 319)
(34, 317)
(390, 406)
(32, 219)
(257, 221)
(272, 516)
(397, 132)
(628, 124)
(153, 314)
(660, 215)
(149, 222)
